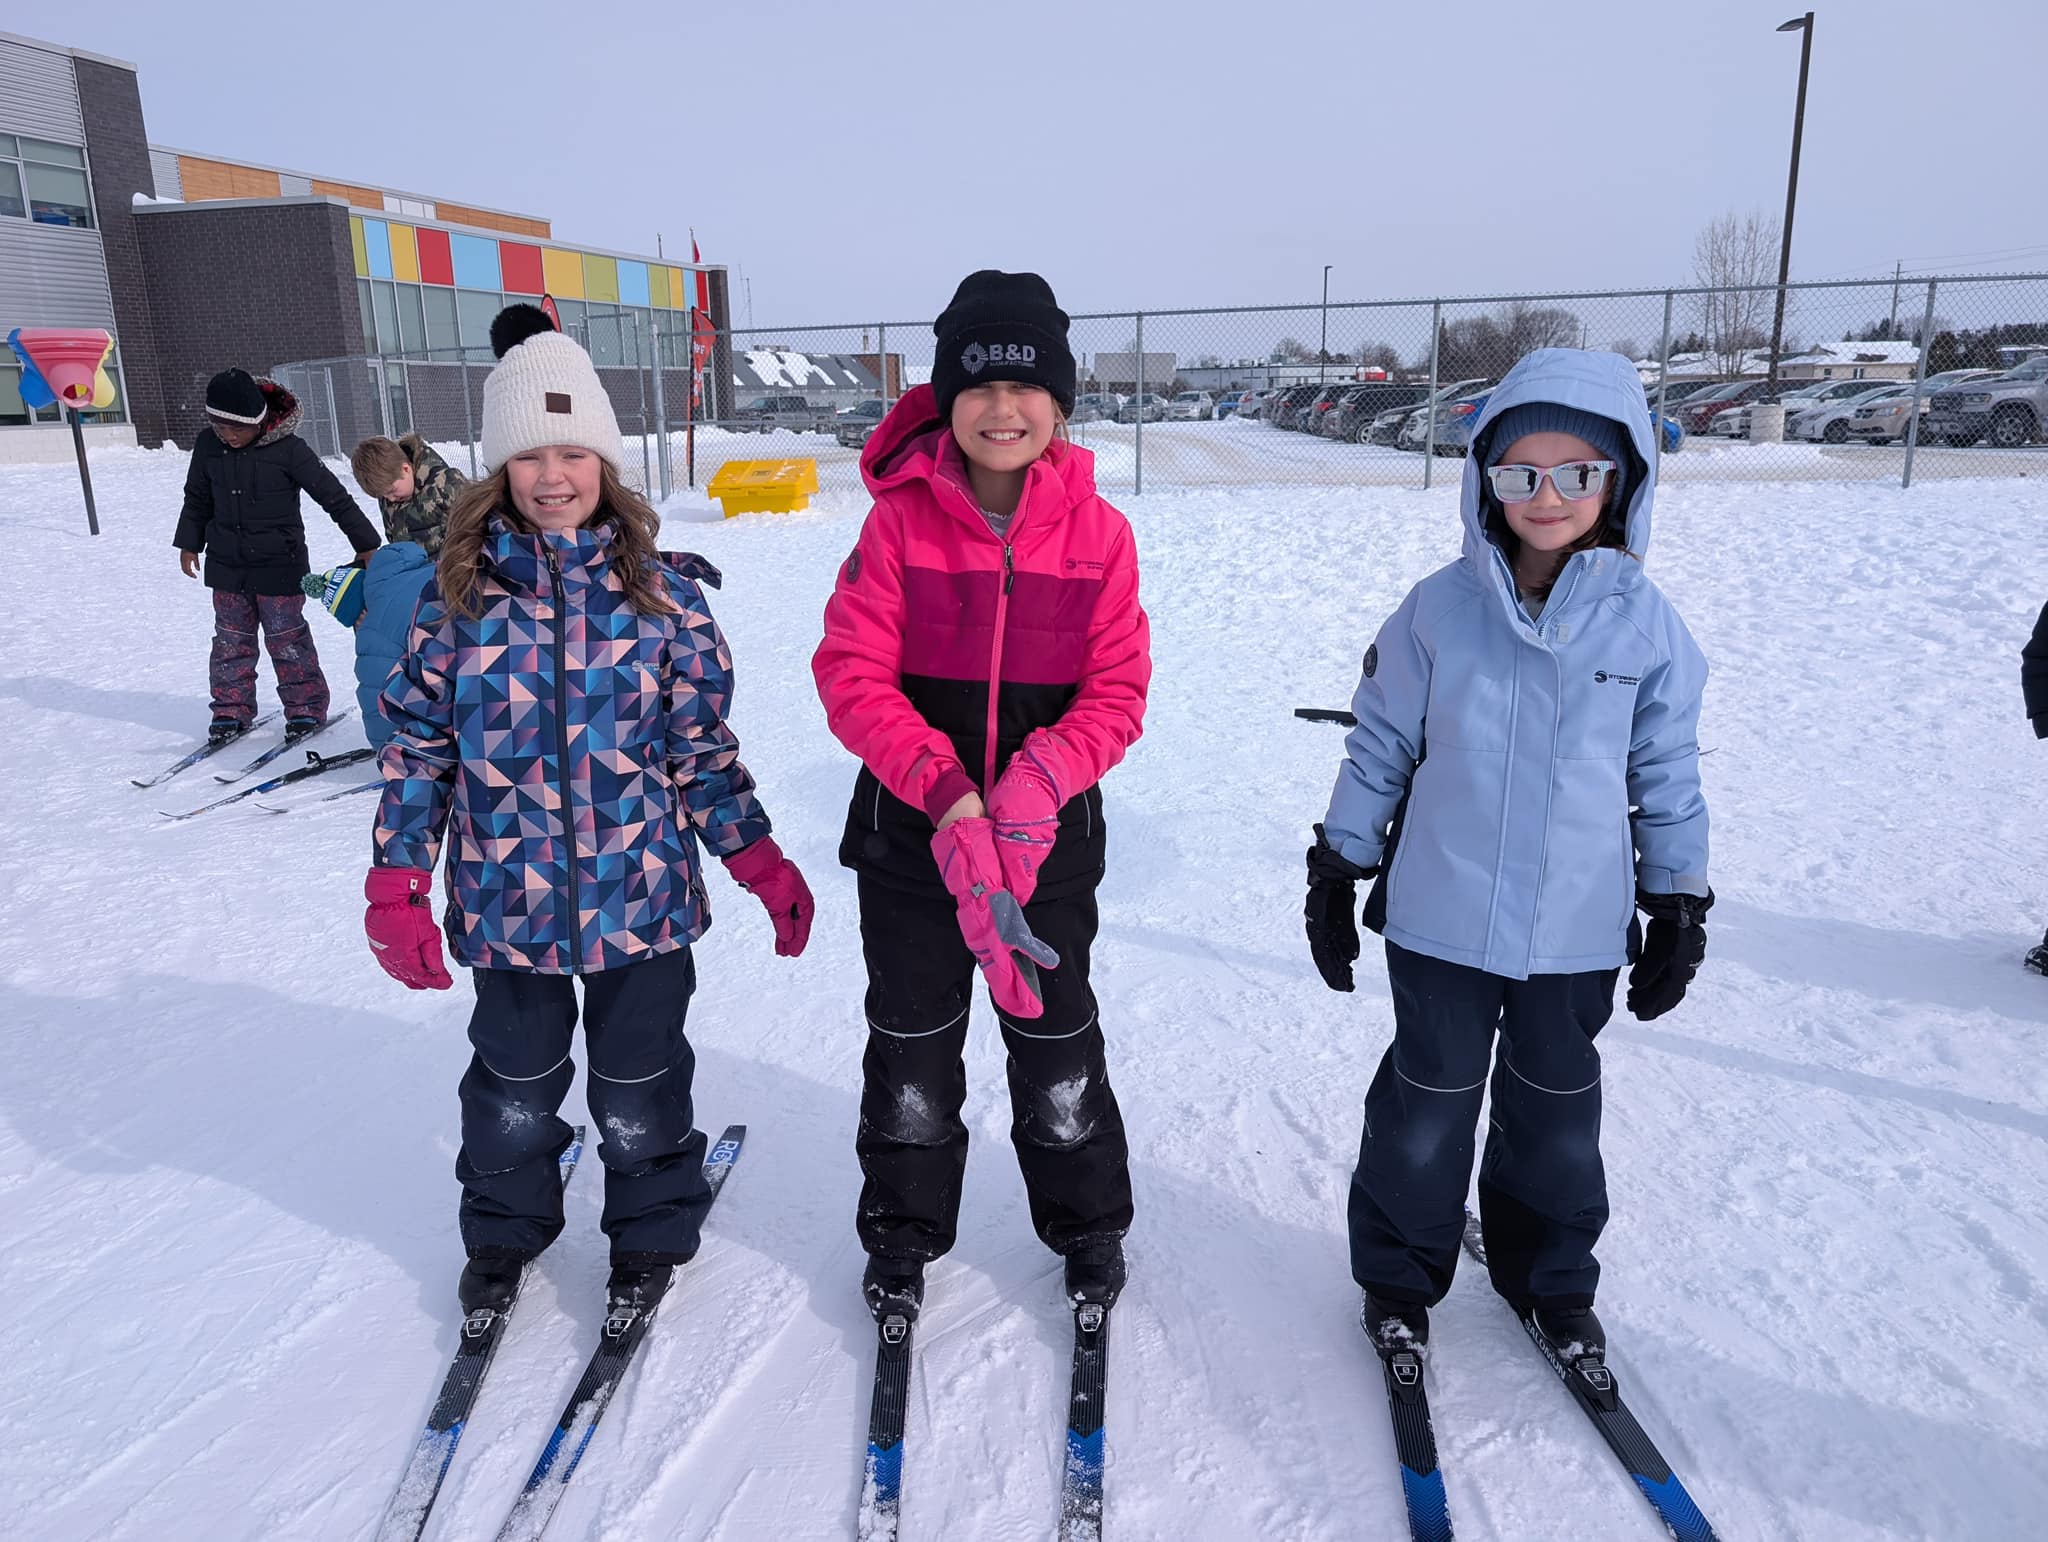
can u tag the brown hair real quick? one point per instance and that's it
(634, 555)
(376, 463)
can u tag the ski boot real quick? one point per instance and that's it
(1096, 1273)
(2037, 957)
(637, 1287)
(488, 1284)
(893, 1287)
(1394, 1326)
(299, 727)
(223, 729)
(1572, 1332)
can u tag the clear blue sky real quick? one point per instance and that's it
(855, 160)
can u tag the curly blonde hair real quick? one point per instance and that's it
(634, 556)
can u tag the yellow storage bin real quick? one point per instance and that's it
(764, 486)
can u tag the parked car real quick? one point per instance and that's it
(1191, 407)
(1252, 404)
(1882, 417)
(1394, 425)
(1149, 408)
(1828, 422)
(1733, 423)
(1096, 407)
(1821, 400)
(1680, 390)
(1353, 417)
(1228, 402)
(2009, 410)
(1698, 411)
(1282, 409)
(787, 414)
(1308, 416)
(857, 422)
(1454, 422)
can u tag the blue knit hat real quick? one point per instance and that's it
(1602, 433)
(341, 591)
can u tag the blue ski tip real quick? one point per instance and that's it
(1084, 1458)
(1675, 1505)
(1429, 1511)
(885, 1471)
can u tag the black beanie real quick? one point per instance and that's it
(235, 396)
(1002, 326)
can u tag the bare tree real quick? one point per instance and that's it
(1528, 327)
(1379, 354)
(1626, 347)
(1292, 350)
(1736, 250)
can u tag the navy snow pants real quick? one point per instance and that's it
(655, 1197)
(1542, 1190)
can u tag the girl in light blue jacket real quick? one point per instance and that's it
(1523, 778)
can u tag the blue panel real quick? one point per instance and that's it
(377, 247)
(476, 262)
(632, 283)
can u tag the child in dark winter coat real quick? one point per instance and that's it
(377, 602)
(986, 657)
(1527, 730)
(560, 718)
(242, 511)
(413, 486)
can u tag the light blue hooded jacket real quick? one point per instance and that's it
(1550, 767)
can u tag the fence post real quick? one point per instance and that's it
(882, 360)
(468, 422)
(1663, 385)
(1138, 438)
(660, 405)
(333, 422)
(1436, 333)
(1919, 384)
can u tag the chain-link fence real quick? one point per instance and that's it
(1345, 393)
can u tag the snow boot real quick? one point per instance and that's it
(2037, 957)
(1395, 1325)
(488, 1284)
(637, 1287)
(222, 729)
(1096, 1273)
(893, 1287)
(299, 727)
(1573, 1332)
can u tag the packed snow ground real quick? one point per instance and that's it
(227, 1141)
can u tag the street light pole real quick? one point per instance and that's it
(1323, 353)
(1804, 26)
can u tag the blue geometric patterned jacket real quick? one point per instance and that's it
(573, 751)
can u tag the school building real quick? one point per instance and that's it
(197, 261)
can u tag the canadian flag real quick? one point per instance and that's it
(702, 332)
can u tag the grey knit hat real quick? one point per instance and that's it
(1603, 434)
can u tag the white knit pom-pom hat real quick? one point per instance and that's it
(544, 391)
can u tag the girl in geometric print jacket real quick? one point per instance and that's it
(560, 716)
(986, 658)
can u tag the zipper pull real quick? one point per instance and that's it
(1009, 569)
(554, 574)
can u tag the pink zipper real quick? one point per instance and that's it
(995, 668)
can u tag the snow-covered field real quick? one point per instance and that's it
(227, 1141)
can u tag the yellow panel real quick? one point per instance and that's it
(562, 272)
(678, 290)
(355, 241)
(405, 255)
(600, 278)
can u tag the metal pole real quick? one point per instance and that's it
(333, 422)
(1919, 383)
(468, 422)
(92, 514)
(660, 406)
(690, 405)
(1791, 198)
(1663, 385)
(882, 357)
(1138, 438)
(1892, 331)
(1323, 351)
(1436, 336)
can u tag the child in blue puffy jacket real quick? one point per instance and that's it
(1523, 777)
(377, 601)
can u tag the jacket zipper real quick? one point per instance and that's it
(995, 668)
(562, 753)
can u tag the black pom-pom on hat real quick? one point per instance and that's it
(515, 324)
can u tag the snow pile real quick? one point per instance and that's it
(227, 1141)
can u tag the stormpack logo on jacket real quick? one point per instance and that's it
(1602, 677)
(978, 356)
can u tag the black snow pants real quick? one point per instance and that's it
(655, 1197)
(1542, 1190)
(1067, 1128)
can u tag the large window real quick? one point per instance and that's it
(441, 333)
(476, 307)
(44, 182)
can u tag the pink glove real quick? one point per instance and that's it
(764, 872)
(400, 922)
(991, 920)
(1025, 807)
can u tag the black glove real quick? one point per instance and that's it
(1331, 911)
(1674, 944)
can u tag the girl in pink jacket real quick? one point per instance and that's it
(986, 657)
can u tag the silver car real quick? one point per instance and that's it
(1881, 419)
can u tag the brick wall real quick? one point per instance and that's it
(118, 148)
(254, 285)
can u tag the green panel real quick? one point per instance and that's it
(600, 278)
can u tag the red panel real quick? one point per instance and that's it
(521, 265)
(435, 265)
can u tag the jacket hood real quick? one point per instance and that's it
(913, 445)
(1603, 383)
(282, 412)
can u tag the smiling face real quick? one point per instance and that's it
(1004, 426)
(1548, 523)
(556, 487)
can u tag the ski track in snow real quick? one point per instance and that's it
(227, 1141)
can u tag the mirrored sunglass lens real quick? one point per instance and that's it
(1579, 479)
(1514, 484)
